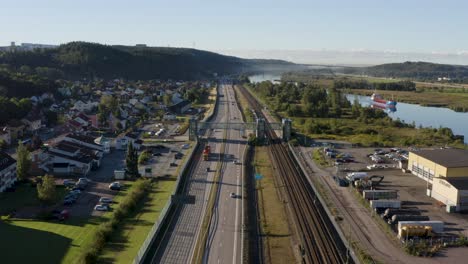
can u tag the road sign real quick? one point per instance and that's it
(258, 176)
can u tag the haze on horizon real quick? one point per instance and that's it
(302, 31)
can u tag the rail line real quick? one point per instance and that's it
(320, 242)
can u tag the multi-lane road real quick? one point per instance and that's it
(224, 237)
(223, 244)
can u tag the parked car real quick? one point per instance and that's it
(69, 183)
(233, 195)
(68, 202)
(173, 164)
(75, 192)
(208, 169)
(156, 154)
(106, 200)
(102, 207)
(178, 155)
(116, 186)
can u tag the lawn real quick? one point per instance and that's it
(62, 241)
(274, 225)
(25, 195)
(127, 240)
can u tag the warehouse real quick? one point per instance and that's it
(452, 192)
(438, 163)
(446, 170)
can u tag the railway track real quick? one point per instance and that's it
(319, 240)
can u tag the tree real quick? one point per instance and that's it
(167, 99)
(131, 162)
(46, 189)
(23, 163)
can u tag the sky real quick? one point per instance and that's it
(239, 26)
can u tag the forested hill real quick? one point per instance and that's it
(415, 70)
(78, 60)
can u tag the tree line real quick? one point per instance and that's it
(363, 84)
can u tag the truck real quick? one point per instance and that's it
(206, 152)
(379, 194)
(437, 226)
(385, 204)
(398, 217)
(356, 176)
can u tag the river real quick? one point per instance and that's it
(425, 116)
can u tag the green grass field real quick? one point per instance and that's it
(47, 241)
(126, 242)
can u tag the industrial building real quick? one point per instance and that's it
(446, 171)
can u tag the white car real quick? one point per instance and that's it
(105, 200)
(101, 207)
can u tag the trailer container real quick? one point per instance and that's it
(412, 231)
(437, 226)
(400, 217)
(385, 203)
(380, 194)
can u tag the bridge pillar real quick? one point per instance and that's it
(260, 131)
(193, 129)
(287, 123)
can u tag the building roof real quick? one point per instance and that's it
(450, 158)
(83, 138)
(82, 159)
(5, 160)
(461, 183)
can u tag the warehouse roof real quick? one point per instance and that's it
(449, 158)
(461, 183)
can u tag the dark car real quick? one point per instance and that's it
(68, 202)
(173, 164)
(178, 155)
(156, 154)
(159, 147)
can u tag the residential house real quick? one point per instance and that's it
(181, 107)
(5, 135)
(32, 123)
(16, 129)
(80, 106)
(7, 171)
(84, 140)
(66, 157)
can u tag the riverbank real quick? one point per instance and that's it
(360, 126)
(455, 101)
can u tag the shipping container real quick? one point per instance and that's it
(385, 203)
(380, 194)
(437, 226)
(401, 217)
(412, 231)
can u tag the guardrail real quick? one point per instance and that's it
(332, 218)
(141, 255)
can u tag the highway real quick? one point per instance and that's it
(224, 237)
(179, 240)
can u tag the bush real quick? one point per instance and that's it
(105, 230)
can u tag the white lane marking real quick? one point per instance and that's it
(234, 256)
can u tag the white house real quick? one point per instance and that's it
(84, 107)
(7, 171)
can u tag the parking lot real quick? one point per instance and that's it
(163, 155)
(98, 187)
(411, 189)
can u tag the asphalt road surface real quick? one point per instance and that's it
(178, 243)
(224, 238)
